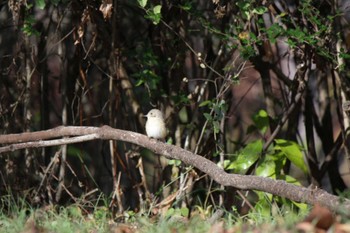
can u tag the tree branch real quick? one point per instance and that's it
(246, 182)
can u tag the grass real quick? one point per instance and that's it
(13, 223)
(20, 217)
(64, 220)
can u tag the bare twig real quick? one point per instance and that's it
(55, 142)
(51, 164)
(290, 109)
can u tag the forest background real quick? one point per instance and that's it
(257, 87)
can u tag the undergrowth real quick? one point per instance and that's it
(21, 217)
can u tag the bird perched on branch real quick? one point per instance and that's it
(155, 125)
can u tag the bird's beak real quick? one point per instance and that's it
(145, 116)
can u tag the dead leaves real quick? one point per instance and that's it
(107, 9)
(322, 220)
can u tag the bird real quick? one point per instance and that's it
(155, 125)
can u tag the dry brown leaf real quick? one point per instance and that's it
(341, 228)
(106, 9)
(164, 205)
(321, 217)
(122, 228)
(218, 227)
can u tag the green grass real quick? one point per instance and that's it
(13, 223)
(69, 219)
(20, 217)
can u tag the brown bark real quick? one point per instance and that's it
(246, 182)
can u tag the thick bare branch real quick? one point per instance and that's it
(246, 182)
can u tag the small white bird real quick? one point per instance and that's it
(155, 125)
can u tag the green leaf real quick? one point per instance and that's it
(174, 162)
(227, 164)
(139, 82)
(205, 103)
(243, 5)
(74, 211)
(289, 179)
(157, 9)
(170, 141)
(254, 147)
(267, 168)
(142, 3)
(247, 156)
(247, 51)
(40, 4)
(216, 126)
(301, 206)
(274, 31)
(170, 212)
(261, 120)
(207, 116)
(293, 152)
(345, 56)
(155, 14)
(186, 6)
(28, 27)
(260, 10)
(244, 8)
(184, 211)
(264, 204)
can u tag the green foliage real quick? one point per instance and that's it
(29, 19)
(180, 99)
(218, 110)
(40, 4)
(174, 162)
(186, 5)
(273, 32)
(245, 157)
(147, 76)
(261, 121)
(247, 9)
(267, 210)
(267, 164)
(15, 223)
(142, 3)
(73, 218)
(152, 13)
(267, 202)
(291, 151)
(13, 213)
(184, 212)
(20, 217)
(315, 31)
(28, 26)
